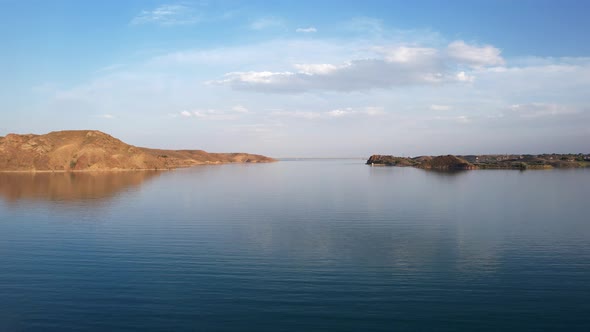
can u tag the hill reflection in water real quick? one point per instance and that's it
(75, 186)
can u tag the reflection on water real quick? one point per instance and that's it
(448, 172)
(296, 246)
(69, 186)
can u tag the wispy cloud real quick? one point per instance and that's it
(537, 110)
(214, 114)
(369, 111)
(267, 23)
(436, 107)
(367, 25)
(473, 55)
(172, 14)
(306, 30)
(240, 109)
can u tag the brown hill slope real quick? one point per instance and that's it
(93, 150)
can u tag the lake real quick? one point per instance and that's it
(302, 245)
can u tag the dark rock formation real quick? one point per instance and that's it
(450, 162)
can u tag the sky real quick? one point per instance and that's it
(302, 78)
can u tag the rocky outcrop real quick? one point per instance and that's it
(90, 150)
(440, 163)
(377, 159)
(451, 162)
(448, 162)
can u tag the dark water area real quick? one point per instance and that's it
(296, 246)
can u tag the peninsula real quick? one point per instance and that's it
(451, 162)
(91, 150)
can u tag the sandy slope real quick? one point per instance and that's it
(93, 150)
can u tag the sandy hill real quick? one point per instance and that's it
(94, 150)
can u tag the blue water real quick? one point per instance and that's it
(295, 246)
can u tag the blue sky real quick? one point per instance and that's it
(302, 78)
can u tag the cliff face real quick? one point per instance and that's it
(94, 150)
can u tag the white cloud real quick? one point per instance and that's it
(367, 25)
(339, 77)
(297, 114)
(339, 113)
(240, 109)
(436, 107)
(318, 69)
(216, 115)
(405, 54)
(463, 77)
(353, 76)
(537, 110)
(167, 15)
(266, 23)
(374, 111)
(369, 111)
(306, 30)
(486, 55)
(462, 119)
(253, 77)
(387, 67)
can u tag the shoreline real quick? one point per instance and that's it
(482, 162)
(131, 170)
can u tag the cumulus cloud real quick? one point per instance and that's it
(353, 76)
(398, 73)
(166, 15)
(306, 30)
(477, 56)
(388, 67)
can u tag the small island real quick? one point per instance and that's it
(92, 150)
(467, 162)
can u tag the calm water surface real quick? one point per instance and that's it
(295, 246)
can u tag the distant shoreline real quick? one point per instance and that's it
(115, 170)
(473, 162)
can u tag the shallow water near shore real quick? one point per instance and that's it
(299, 245)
